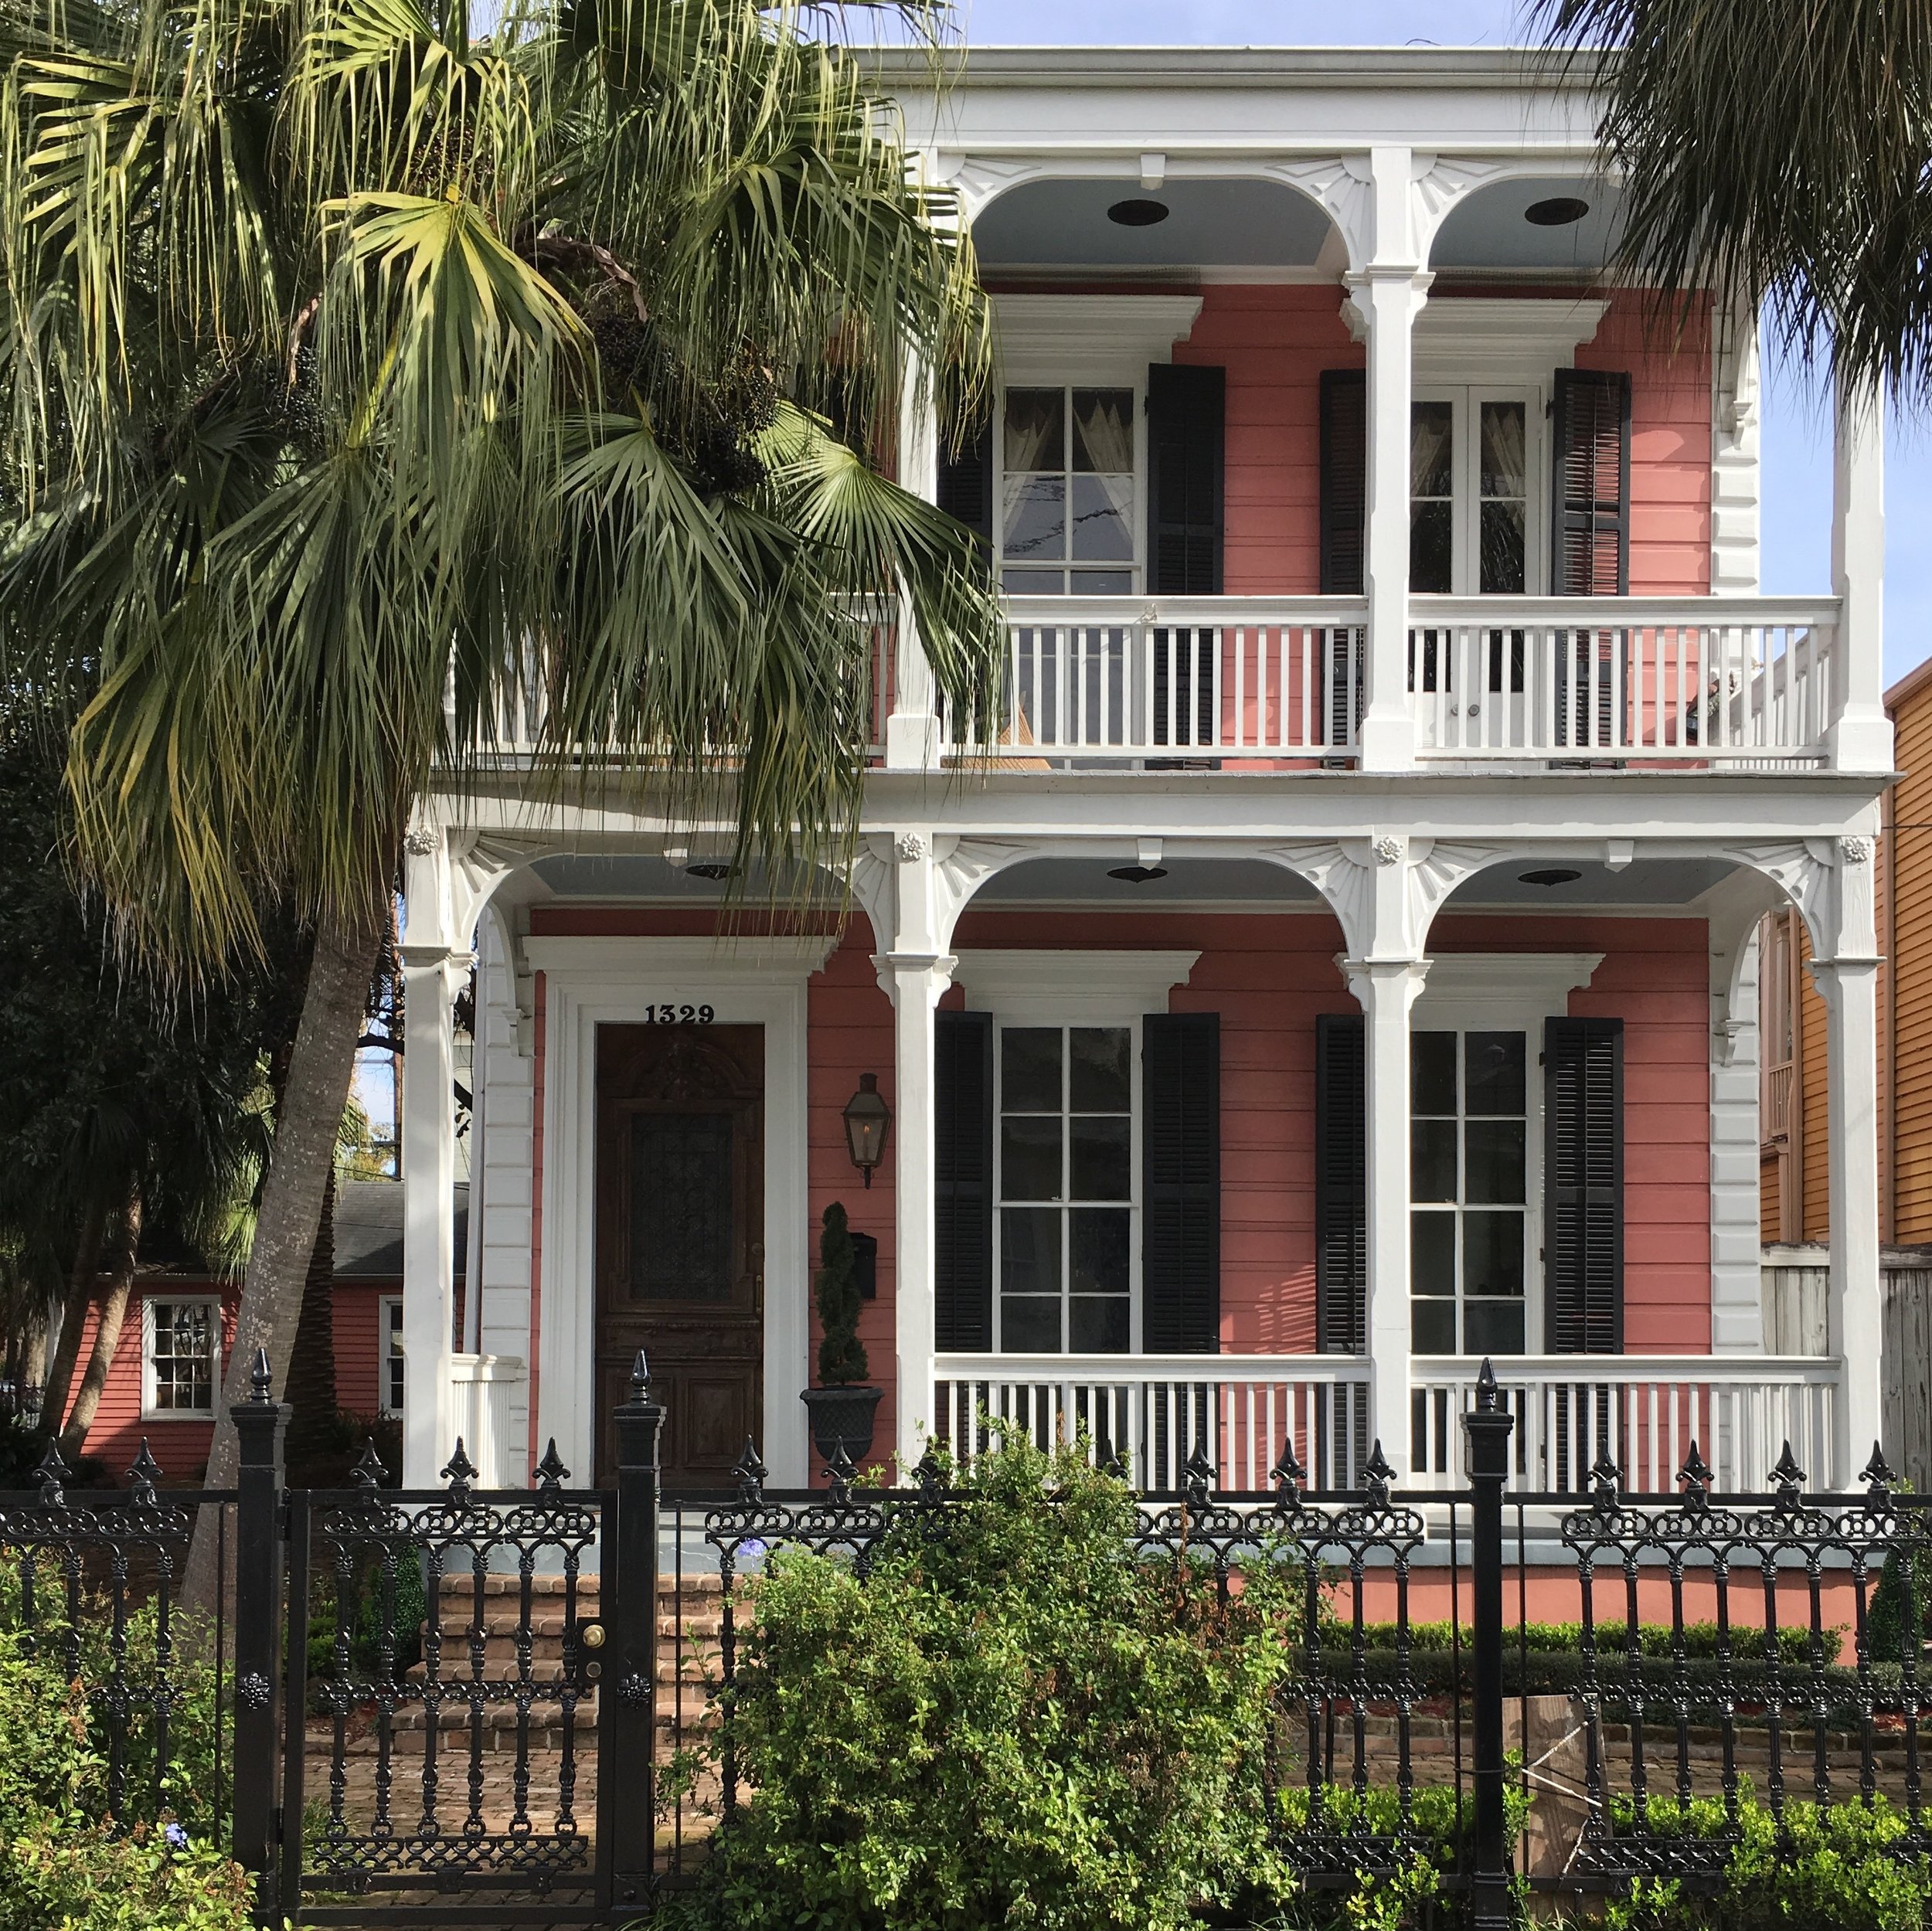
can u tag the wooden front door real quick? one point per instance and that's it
(680, 1230)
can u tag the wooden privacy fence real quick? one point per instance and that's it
(1796, 1286)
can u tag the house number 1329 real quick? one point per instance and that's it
(679, 1016)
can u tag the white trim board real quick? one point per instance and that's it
(1099, 338)
(1075, 986)
(610, 981)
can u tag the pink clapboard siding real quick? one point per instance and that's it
(1268, 976)
(114, 1437)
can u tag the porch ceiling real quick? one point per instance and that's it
(1492, 231)
(1209, 224)
(1647, 882)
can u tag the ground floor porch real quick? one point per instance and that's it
(1213, 1153)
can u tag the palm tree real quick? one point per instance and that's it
(362, 368)
(1778, 150)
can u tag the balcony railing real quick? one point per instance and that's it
(1174, 682)
(1643, 1412)
(1707, 681)
(1121, 679)
(1150, 1413)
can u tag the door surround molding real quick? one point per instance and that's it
(593, 981)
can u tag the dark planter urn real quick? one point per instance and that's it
(842, 1415)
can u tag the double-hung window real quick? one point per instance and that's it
(180, 1356)
(1066, 1202)
(389, 1340)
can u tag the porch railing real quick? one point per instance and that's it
(1719, 680)
(1150, 1413)
(1173, 678)
(1643, 1412)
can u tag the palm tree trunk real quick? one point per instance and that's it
(310, 1386)
(107, 1325)
(307, 1124)
(80, 1293)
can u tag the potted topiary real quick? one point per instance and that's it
(842, 1411)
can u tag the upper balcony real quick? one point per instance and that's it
(1323, 439)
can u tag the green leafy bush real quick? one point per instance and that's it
(65, 1863)
(841, 1354)
(408, 1608)
(1016, 1719)
(1833, 1868)
(1655, 1640)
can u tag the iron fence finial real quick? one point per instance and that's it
(840, 1469)
(369, 1471)
(1606, 1478)
(551, 1474)
(1880, 1478)
(261, 1379)
(1695, 1475)
(1488, 1396)
(1790, 1479)
(1289, 1476)
(640, 1377)
(52, 1473)
(1198, 1473)
(750, 1470)
(460, 1472)
(1377, 1475)
(143, 1474)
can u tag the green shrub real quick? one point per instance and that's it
(409, 1609)
(1016, 1719)
(1834, 1868)
(66, 1864)
(1655, 1640)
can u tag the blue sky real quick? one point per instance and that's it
(1798, 440)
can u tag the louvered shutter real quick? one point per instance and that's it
(1583, 1185)
(1345, 480)
(1186, 415)
(1345, 517)
(1181, 1183)
(963, 1183)
(1341, 1184)
(1591, 476)
(966, 483)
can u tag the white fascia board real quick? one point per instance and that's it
(1071, 985)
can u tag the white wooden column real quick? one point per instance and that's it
(916, 968)
(1848, 981)
(1859, 738)
(912, 725)
(1387, 989)
(1388, 296)
(433, 968)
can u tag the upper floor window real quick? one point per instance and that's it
(1473, 466)
(389, 1329)
(1069, 492)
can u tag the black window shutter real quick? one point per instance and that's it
(1341, 1184)
(1583, 1185)
(1181, 1183)
(1591, 484)
(1186, 422)
(963, 1183)
(1345, 480)
(966, 482)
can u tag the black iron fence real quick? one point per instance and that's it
(508, 1707)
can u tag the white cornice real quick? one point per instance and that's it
(1518, 984)
(683, 961)
(912, 71)
(1071, 985)
(1060, 338)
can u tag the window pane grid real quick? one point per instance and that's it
(1070, 516)
(1468, 1174)
(182, 1357)
(1065, 1189)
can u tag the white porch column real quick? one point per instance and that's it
(912, 726)
(1388, 295)
(1387, 989)
(917, 982)
(1859, 738)
(1849, 983)
(433, 969)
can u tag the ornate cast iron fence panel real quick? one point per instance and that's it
(444, 1647)
(89, 1582)
(1791, 1583)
